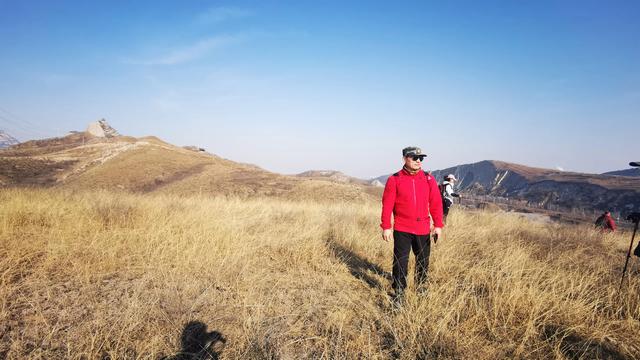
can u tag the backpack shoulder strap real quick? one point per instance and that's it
(443, 188)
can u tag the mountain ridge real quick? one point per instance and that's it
(148, 164)
(81, 160)
(544, 187)
(332, 175)
(626, 172)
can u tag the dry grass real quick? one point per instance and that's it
(99, 275)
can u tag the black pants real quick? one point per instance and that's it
(402, 244)
(446, 204)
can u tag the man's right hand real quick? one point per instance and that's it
(387, 235)
(437, 234)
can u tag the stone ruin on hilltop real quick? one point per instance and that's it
(102, 129)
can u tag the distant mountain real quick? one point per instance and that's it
(339, 177)
(626, 172)
(381, 180)
(331, 175)
(545, 186)
(7, 140)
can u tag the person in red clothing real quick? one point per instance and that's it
(413, 197)
(605, 222)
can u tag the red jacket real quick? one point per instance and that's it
(411, 198)
(611, 225)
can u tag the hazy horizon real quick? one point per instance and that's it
(293, 86)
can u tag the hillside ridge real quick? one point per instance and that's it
(81, 160)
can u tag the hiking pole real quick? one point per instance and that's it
(635, 217)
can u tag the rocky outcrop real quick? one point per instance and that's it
(194, 148)
(102, 129)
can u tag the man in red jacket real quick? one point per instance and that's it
(414, 199)
(605, 222)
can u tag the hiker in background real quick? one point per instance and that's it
(412, 196)
(605, 222)
(446, 190)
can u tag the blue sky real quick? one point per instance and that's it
(344, 85)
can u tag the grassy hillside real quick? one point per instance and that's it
(146, 165)
(102, 275)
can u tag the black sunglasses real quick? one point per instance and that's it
(418, 157)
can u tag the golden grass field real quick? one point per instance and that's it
(102, 275)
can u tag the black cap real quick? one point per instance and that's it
(412, 151)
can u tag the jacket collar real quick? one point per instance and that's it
(406, 172)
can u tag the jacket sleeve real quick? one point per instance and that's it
(388, 202)
(612, 224)
(435, 203)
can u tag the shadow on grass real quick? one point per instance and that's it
(574, 346)
(358, 266)
(197, 343)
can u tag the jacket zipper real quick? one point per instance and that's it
(415, 201)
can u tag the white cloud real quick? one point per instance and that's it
(559, 168)
(188, 53)
(220, 14)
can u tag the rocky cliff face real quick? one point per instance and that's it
(7, 140)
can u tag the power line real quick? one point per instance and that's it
(30, 129)
(23, 120)
(10, 114)
(30, 132)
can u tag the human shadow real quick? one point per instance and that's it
(358, 266)
(197, 343)
(574, 346)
